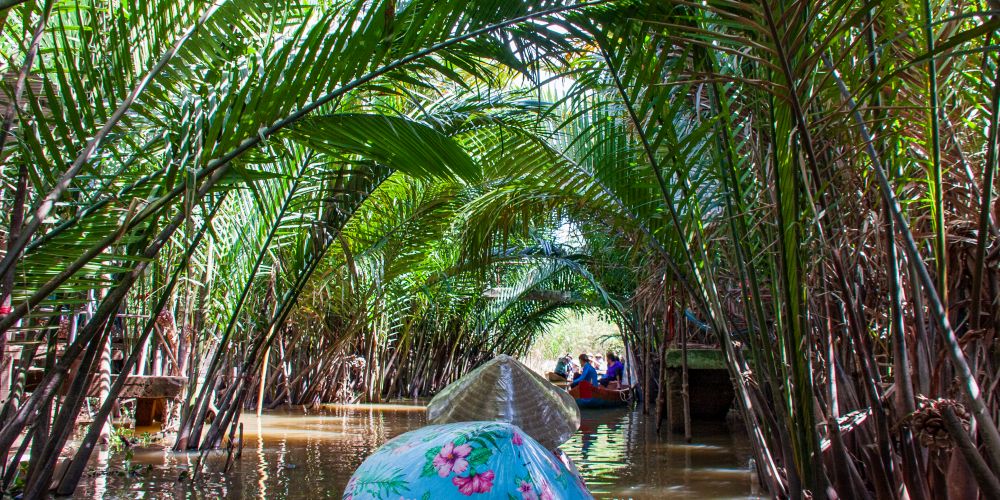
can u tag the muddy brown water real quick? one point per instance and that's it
(311, 454)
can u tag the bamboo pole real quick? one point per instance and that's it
(647, 368)
(663, 407)
(104, 381)
(991, 436)
(685, 395)
(263, 381)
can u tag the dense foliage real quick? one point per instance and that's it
(319, 200)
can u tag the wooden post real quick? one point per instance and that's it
(663, 391)
(284, 370)
(10, 353)
(152, 394)
(647, 369)
(140, 367)
(685, 395)
(104, 386)
(157, 358)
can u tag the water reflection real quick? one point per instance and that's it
(296, 454)
(621, 456)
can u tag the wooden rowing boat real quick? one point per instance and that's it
(589, 396)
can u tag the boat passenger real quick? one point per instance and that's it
(563, 365)
(615, 370)
(571, 369)
(589, 374)
(599, 364)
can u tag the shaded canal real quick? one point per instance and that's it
(293, 454)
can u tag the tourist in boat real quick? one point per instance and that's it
(563, 366)
(572, 369)
(599, 364)
(588, 374)
(615, 370)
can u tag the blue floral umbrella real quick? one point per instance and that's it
(478, 460)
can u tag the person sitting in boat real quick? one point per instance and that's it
(599, 364)
(571, 368)
(615, 370)
(589, 374)
(563, 366)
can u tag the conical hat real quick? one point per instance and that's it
(505, 390)
(466, 461)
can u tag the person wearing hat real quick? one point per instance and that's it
(562, 366)
(588, 374)
(598, 362)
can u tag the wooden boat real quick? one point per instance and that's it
(589, 396)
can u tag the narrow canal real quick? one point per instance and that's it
(293, 454)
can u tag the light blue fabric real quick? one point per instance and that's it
(465, 460)
(561, 366)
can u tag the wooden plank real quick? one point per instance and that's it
(148, 386)
(136, 386)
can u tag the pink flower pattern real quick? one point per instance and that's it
(527, 491)
(452, 459)
(546, 492)
(457, 460)
(474, 483)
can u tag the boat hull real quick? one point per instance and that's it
(589, 396)
(597, 403)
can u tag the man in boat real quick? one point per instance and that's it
(615, 370)
(562, 366)
(588, 374)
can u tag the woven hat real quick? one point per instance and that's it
(505, 390)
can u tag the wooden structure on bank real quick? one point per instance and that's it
(155, 381)
(710, 390)
(151, 392)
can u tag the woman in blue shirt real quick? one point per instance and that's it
(589, 374)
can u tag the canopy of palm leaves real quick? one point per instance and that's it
(298, 202)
